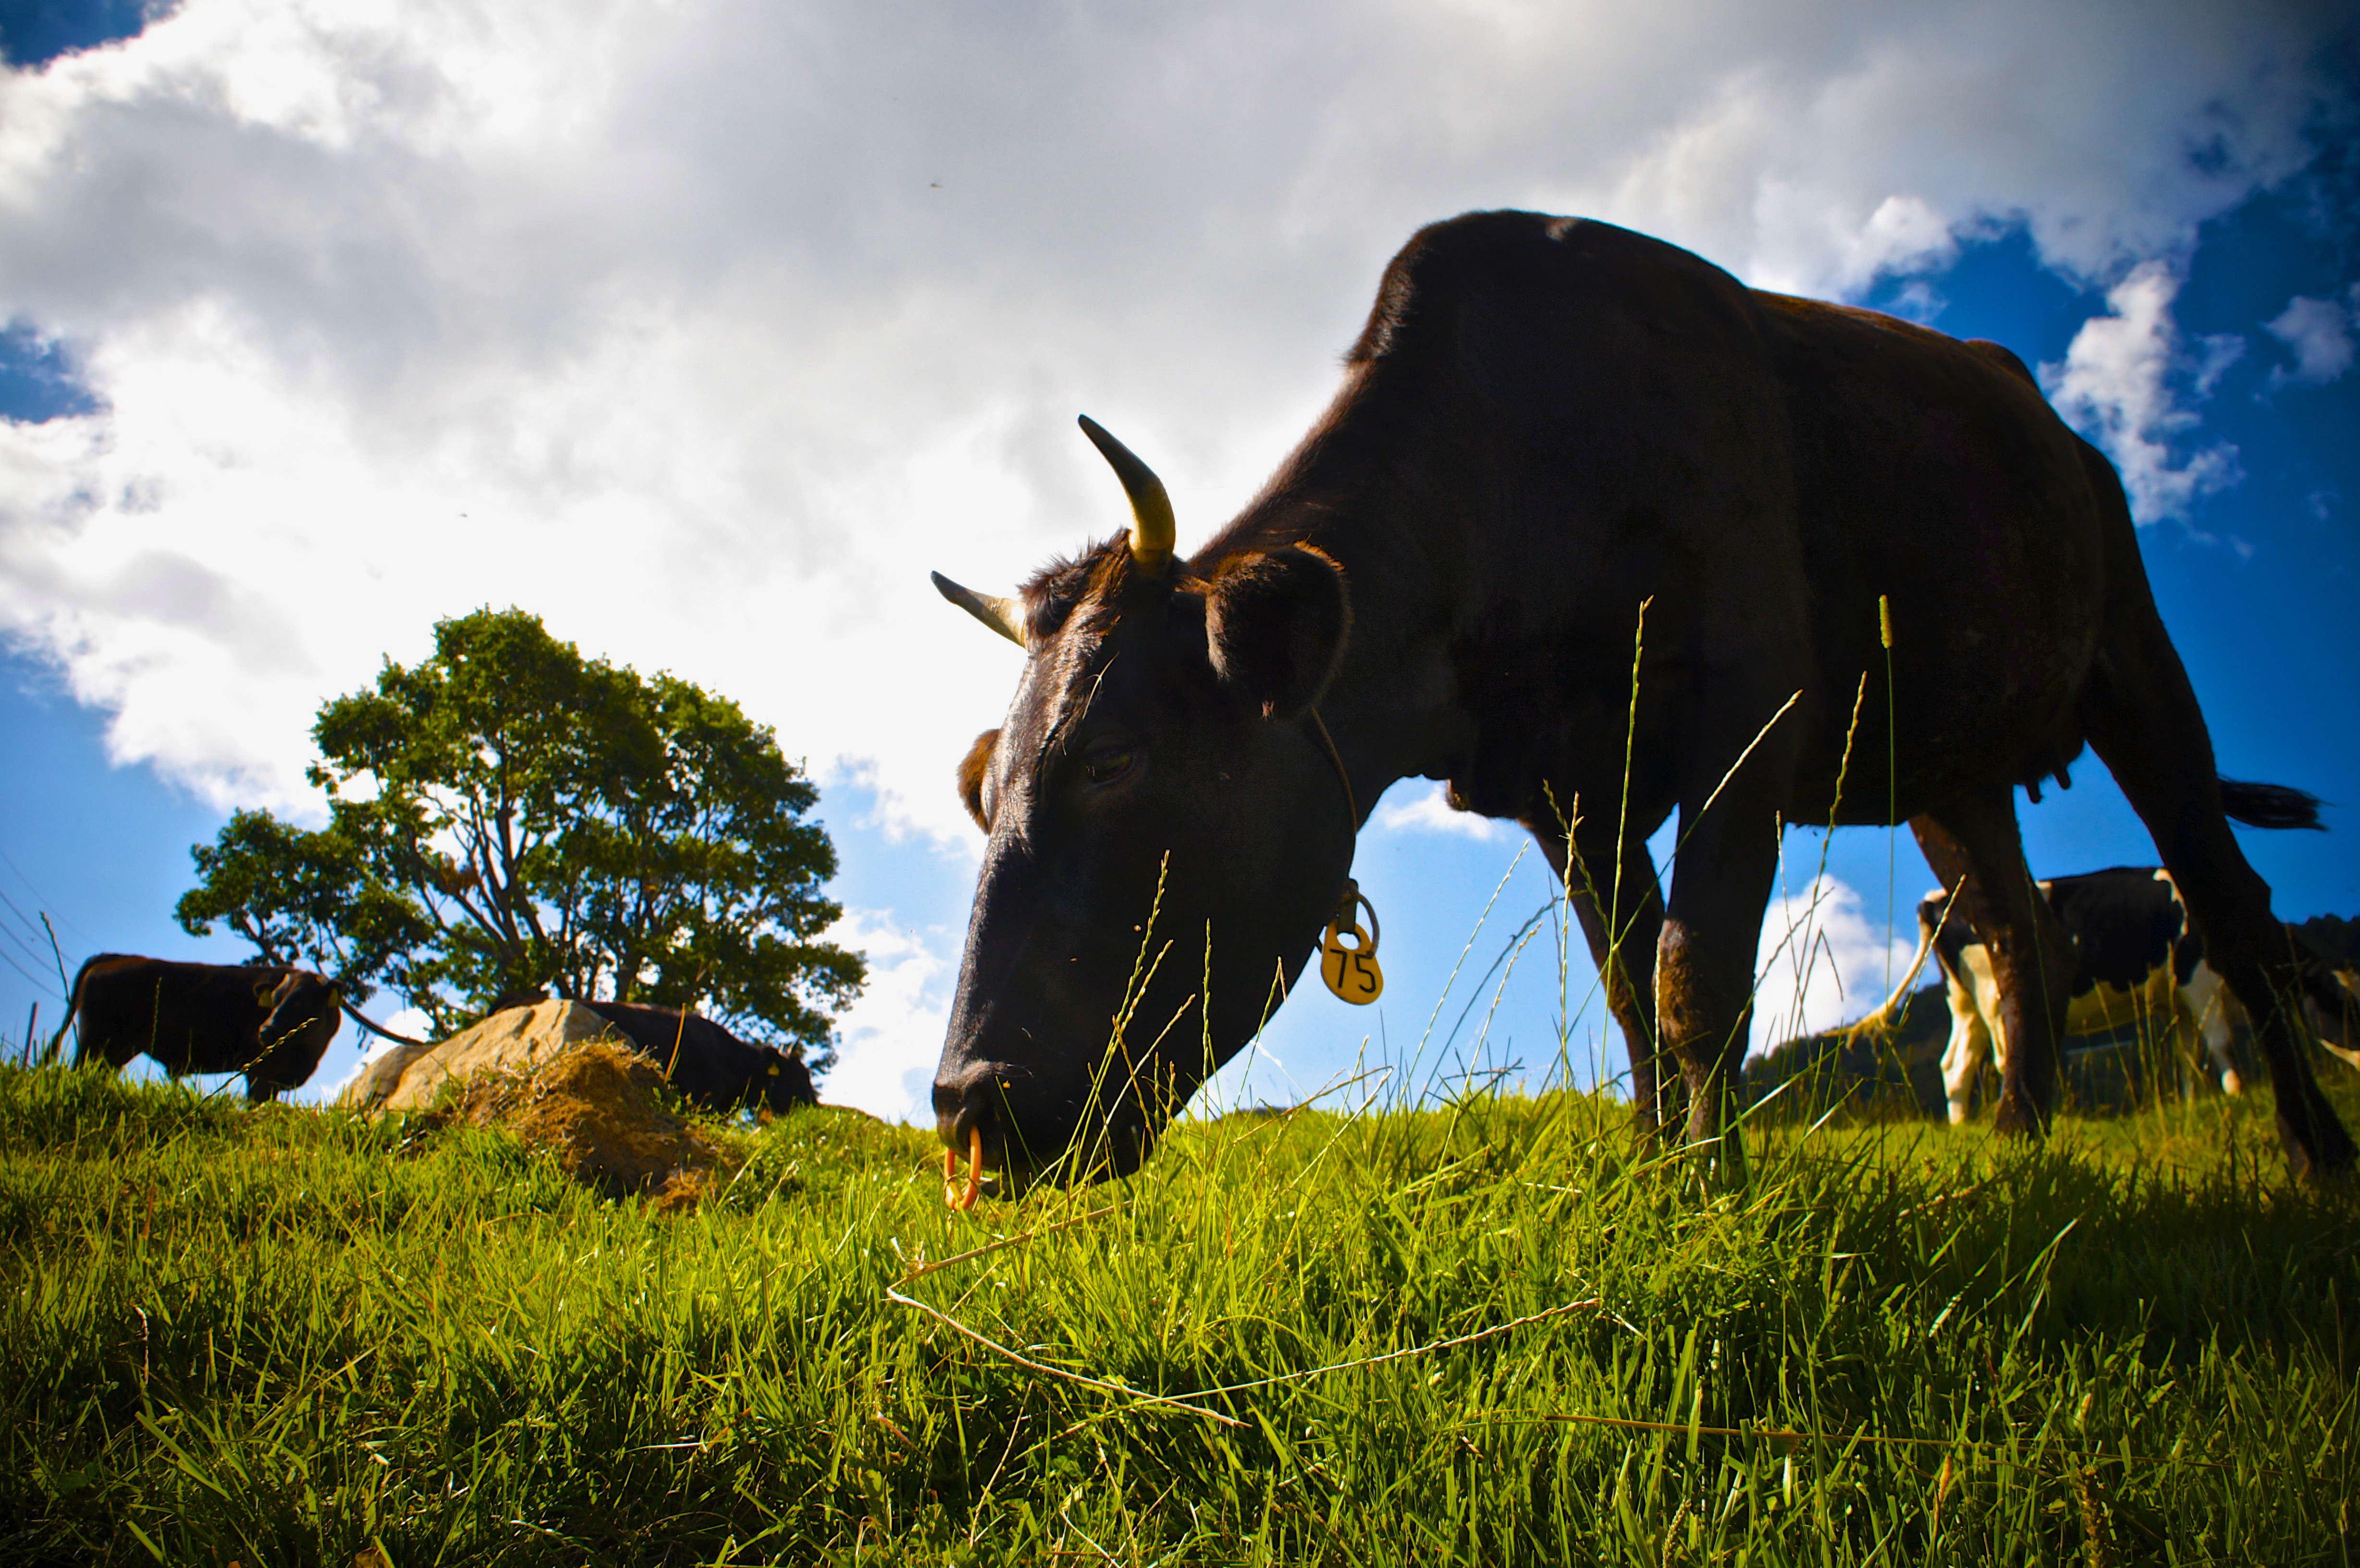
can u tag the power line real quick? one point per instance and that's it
(18, 910)
(42, 898)
(46, 987)
(30, 951)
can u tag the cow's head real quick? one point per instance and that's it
(300, 1018)
(303, 1008)
(1167, 837)
(781, 1082)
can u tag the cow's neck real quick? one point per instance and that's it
(1392, 708)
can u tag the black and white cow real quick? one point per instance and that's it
(2136, 959)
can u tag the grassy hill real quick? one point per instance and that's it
(1489, 1332)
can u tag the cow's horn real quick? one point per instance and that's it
(1152, 531)
(1005, 616)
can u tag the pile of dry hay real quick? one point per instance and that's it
(599, 1107)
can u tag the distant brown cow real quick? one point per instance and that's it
(708, 1063)
(270, 1022)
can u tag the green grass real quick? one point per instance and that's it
(276, 1336)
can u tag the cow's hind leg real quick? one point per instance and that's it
(1973, 840)
(2143, 720)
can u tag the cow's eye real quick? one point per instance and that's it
(1105, 764)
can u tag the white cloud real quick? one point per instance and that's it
(2319, 333)
(2117, 386)
(892, 1036)
(1822, 960)
(705, 329)
(1422, 806)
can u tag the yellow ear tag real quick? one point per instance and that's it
(1350, 968)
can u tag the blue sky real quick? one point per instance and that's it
(317, 330)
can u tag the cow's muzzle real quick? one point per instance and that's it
(971, 1115)
(987, 1151)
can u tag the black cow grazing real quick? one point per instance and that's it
(268, 1021)
(1596, 533)
(2137, 958)
(708, 1063)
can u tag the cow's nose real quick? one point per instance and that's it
(968, 1102)
(971, 1114)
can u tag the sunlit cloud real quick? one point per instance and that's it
(1822, 960)
(1424, 806)
(704, 331)
(2318, 331)
(891, 1035)
(2120, 383)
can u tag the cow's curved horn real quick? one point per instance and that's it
(1152, 531)
(1005, 616)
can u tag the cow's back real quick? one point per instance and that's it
(2126, 923)
(1551, 420)
(1545, 422)
(1545, 386)
(1933, 475)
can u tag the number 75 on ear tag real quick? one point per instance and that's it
(1348, 956)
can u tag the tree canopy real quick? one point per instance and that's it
(507, 817)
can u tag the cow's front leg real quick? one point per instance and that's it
(1974, 840)
(1704, 966)
(1963, 1057)
(2206, 1009)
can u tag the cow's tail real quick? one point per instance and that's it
(73, 1006)
(1882, 1022)
(2274, 806)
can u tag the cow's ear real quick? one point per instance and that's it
(1275, 623)
(977, 763)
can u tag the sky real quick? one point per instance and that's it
(704, 330)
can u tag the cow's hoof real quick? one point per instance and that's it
(2016, 1119)
(2231, 1083)
(2327, 1168)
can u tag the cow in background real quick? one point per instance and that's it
(708, 1064)
(2335, 942)
(2137, 958)
(270, 1022)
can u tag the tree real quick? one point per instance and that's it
(507, 817)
